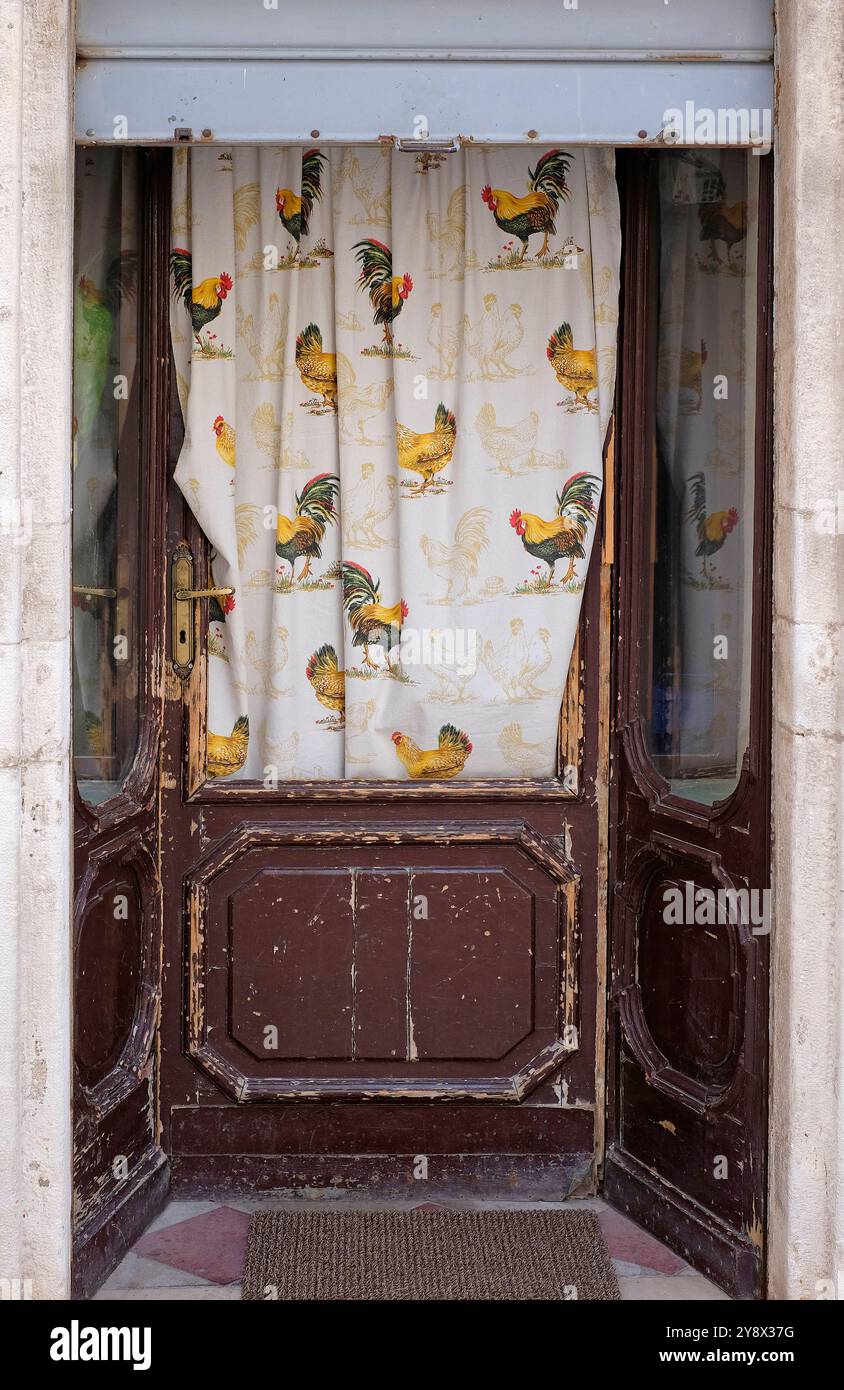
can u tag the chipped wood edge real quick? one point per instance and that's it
(602, 789)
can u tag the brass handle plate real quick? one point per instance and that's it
(182, 616)
(181, 612)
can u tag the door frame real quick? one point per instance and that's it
(806, 1159)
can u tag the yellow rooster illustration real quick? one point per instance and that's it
(574, 368)
(329, 683)
(317, 369)
(428, 454)
(434, 764)
(226, 441)
(227, 752)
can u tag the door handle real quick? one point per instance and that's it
(182, 616)
(184, 594)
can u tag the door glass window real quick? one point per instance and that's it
(107, 484)
(699, 532)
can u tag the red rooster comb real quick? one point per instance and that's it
(406, 285)
(225, 283)
(218, 424)
(515, 518)
(404, 609)
(486, 194)
(397, 737)
(732, 518)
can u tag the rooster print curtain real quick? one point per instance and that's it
(396, 373)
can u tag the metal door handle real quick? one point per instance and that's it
(184, 594)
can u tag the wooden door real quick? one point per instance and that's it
(689, 1000)
(318, 1028)
(120, 1171)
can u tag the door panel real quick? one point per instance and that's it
(688, 1036)
(432, 964)
(120, 1173)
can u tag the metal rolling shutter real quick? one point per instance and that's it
(585, 71)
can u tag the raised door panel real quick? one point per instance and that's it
(399, 967)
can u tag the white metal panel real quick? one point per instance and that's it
(355, 70)
(303, 101)
(444, 27)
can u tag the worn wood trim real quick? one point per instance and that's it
(608, 539)
(602, 803)
(133, 1064)
(659, 857)
(109, 1236)
(710, 1246)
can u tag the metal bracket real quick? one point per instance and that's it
(411, 145)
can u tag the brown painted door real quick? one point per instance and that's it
(120, 1172)
(691, 915)
(321, 1029)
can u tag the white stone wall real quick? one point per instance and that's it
(806, 1217)
(36, 226)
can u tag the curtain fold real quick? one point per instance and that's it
(396, 374)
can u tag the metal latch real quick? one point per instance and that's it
(182, 618)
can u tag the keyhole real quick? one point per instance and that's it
(183, 638)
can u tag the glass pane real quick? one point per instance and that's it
(697, 657)
(106, 474)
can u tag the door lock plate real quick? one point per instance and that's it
(181, 612)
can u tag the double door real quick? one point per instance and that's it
(404, 989)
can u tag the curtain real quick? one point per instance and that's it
(706, 427)
(396, 373)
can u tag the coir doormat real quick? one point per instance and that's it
(393, 1255)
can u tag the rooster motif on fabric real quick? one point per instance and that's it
(533, 213)
(430, 452)
(317, 369)
(203, 301)
(712, 528)
(387, 292)
(294, 209)
(303, 533)
(564, 536)
(434, 764)
(329, 684)
(373, 624)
